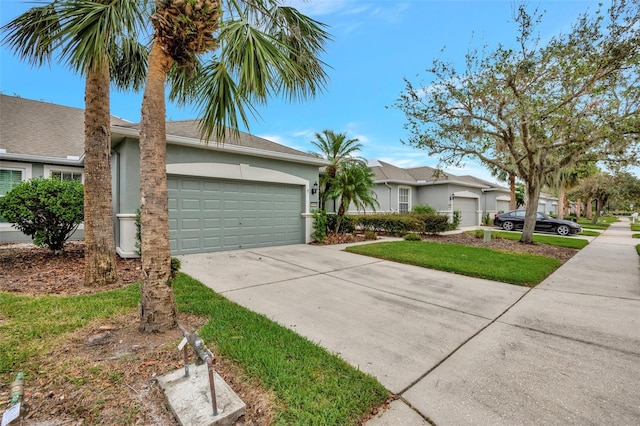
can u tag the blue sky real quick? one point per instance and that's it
(375, 45)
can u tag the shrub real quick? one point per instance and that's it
(48, 210)
(457, 215)
(433, 223)
(486, 219)
(370, 235)
(394, 224)
(319, 233)
(424, 208)
(175, 266)
(347, 224)
(412, 236)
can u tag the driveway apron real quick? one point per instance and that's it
(459, 350)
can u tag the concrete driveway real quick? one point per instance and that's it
(457, 350)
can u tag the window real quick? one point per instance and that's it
(62, 175)
(404, 199)
(9, 179)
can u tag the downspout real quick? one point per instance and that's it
(390, 189)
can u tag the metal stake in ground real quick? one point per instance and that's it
(204, 355)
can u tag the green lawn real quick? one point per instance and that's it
(569, 242)
(514, 268)
(635, 227)
(603, 222)
(311, 386)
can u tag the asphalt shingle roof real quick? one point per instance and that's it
(29, 127)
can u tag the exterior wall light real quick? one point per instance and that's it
(314, 189)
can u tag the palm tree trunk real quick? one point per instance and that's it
(512, 192)
(100, 251)
(157, 309)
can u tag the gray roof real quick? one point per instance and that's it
(37, 128)
(41, 129)
(422, 175)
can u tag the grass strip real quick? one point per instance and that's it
(514, 268)
(32, 324)
(314, 386)
(569, 242)
(589, 233)
(311, 385)
(635, 236)
(635, 227)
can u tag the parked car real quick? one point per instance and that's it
(514, 219)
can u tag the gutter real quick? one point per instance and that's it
(76, 161)
(390, 189)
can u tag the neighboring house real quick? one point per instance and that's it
(548, 204)
(398, 190)
(247, 192)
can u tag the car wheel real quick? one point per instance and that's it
(507, 226)
(563, 230)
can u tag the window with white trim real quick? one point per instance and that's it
(64, 173)
(8, 179)
(404, 199)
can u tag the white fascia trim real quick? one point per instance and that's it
(42, 159)
(430, 183)
(503, 198)
(195, 143)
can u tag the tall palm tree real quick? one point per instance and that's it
(93, 37)
(338, 150)
(259, 49)
(352, 185)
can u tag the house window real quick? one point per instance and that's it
(9, 179)
(404, 199)
(62, 175)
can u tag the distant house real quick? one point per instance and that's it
(548, 204)
(246, 192)
(399, 189)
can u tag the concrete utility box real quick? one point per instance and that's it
(190, 398)
(487, 235)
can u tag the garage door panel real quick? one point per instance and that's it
(209, 215)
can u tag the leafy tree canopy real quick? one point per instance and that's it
(536, 110)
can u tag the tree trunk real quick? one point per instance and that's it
(561, 201)
(157, 307)
(341, 211)
(99, 250)
(589, 209)
(533, 196)
(578, 208)
(512, 192)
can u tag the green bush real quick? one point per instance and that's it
(48, 210)
(370, 235)
(457, 216)
(347, 224)
(319, 226)
(424, 208)
(394, 224)
(175, 266)
(412, 237)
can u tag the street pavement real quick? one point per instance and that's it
(458, 350)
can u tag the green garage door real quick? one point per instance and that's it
(468, 210)
(215, 214)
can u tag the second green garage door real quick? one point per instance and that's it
(215, 214)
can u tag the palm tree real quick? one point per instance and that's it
(338, 150)
(352, 185)
(93, 37)
(262, 48)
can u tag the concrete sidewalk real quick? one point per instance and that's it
(459, 350)
(566, 353)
